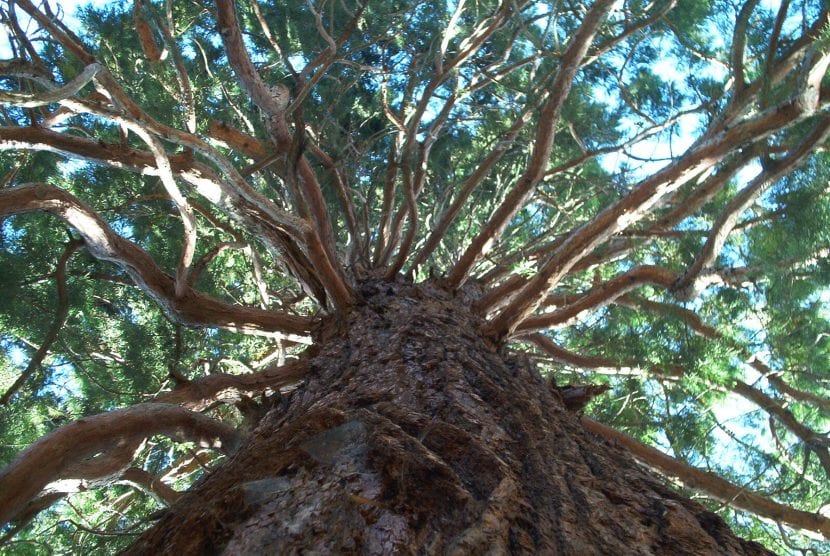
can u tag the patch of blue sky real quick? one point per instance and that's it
(67, 10)
(741, 419)
(794, 22)
(63, 383)
(16, 357)
(11, 235)
(645, 157)
(123, 227)
(298, 61)
(71, 165)
(16, 354)
(749, 172)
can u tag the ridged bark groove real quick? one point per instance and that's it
(414, 434)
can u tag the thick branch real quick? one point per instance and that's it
(711, 484)
(200, 394)
(278, 234)
(601, 365)
(47, 458)
(55, 94)
(233, 192)
(706, 190)
(736, 55)
(774, 378)
(192, 308)
(688, 316)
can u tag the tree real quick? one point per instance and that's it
(292, 275)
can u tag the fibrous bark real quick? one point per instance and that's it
(414, 434)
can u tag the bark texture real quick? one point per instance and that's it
(414, 435)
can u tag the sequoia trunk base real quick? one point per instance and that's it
(413, 434)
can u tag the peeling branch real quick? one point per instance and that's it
(50, 456)
(712, 484)
(32, 100)
(192, 308)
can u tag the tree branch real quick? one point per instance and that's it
(198, 395)
(715, 144)
(270, 100)
(601, 295)
(55, 94)
(728, 218)
(281, 234)
(149, 483)
(192, 308)
(816, 442)
(711, 484)
(601, 365)
(542, 144)
(774, 378)
(736, 55)
(50, 456)
(470, 184)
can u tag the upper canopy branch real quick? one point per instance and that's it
(168, 180)
(231, 191)
(772, 172)
(191, 308)
(710, 149)
(281, 232)
(736, 54)
(273, 101)
(542, 144)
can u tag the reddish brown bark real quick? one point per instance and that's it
(321, 241)
(714, 485)
(73, 450)
(145, 35)
(191, 307)
(413, 434)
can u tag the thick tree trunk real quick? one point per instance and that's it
(413, 434)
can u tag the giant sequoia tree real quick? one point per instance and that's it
(345, 275)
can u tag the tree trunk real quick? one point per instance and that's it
(413, 434)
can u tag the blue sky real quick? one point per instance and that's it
(69, 8)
